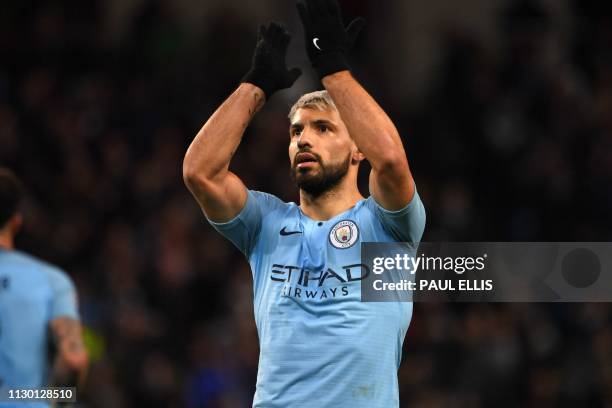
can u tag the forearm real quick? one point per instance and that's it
(71, 360)
(212, 149)
(372, 130)
(220, 193)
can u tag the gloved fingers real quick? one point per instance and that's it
(261, 32)
(279, 36)
(354, 28)
(273, 33)
(303, 12)
(317, 8)
(285, 37)
(333, 8)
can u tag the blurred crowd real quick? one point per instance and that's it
(511, 142)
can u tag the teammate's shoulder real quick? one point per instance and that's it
(33, 264)
(24, 259)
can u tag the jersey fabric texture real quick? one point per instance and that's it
(32, 293)
(320, 346)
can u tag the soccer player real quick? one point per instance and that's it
(320, 346)
(36, 300)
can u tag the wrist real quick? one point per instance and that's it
(253, 96)
(337, 77)
(260, 81)
(253, 89)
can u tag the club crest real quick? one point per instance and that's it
(344, 234)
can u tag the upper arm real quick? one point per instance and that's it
(221, 198)
(376, 137)
(392, 185)
(63, 301)
(67, 333)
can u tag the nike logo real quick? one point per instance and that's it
(284, 232)
(314, 41)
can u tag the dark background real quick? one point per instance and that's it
(505, 108)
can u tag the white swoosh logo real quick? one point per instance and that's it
(314, 41)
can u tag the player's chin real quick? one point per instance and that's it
(306, 172)
(305, 176)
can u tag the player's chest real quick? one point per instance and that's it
(328, 252)
(335, 239)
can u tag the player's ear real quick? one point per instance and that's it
(357, 156)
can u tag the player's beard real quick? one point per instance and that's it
(320, 182)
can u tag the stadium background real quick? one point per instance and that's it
(506, 113)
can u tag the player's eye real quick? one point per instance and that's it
(323, 128)
(296, 131)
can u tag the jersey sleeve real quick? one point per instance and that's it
(244, 229)
(404, 225)
(64, 297)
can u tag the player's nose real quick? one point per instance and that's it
(305, 138)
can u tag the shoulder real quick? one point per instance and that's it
(58, 279)
(26, 261)
(41, 270)
(270, 204)
(267, 199)
(414, 204)
(406, 224)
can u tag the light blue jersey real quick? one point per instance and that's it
(32, 293)
(320, 346)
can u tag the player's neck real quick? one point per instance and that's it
(6, 240)
(331, 203)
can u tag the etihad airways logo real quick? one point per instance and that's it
(304, 283)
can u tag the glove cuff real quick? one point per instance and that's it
(329, 63)
(262, 80)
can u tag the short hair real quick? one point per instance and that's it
(319, 100)
(11, 194)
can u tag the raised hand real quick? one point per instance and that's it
(269, 69)
(327, 40)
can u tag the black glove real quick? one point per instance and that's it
(327, 41)
(269, 70)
